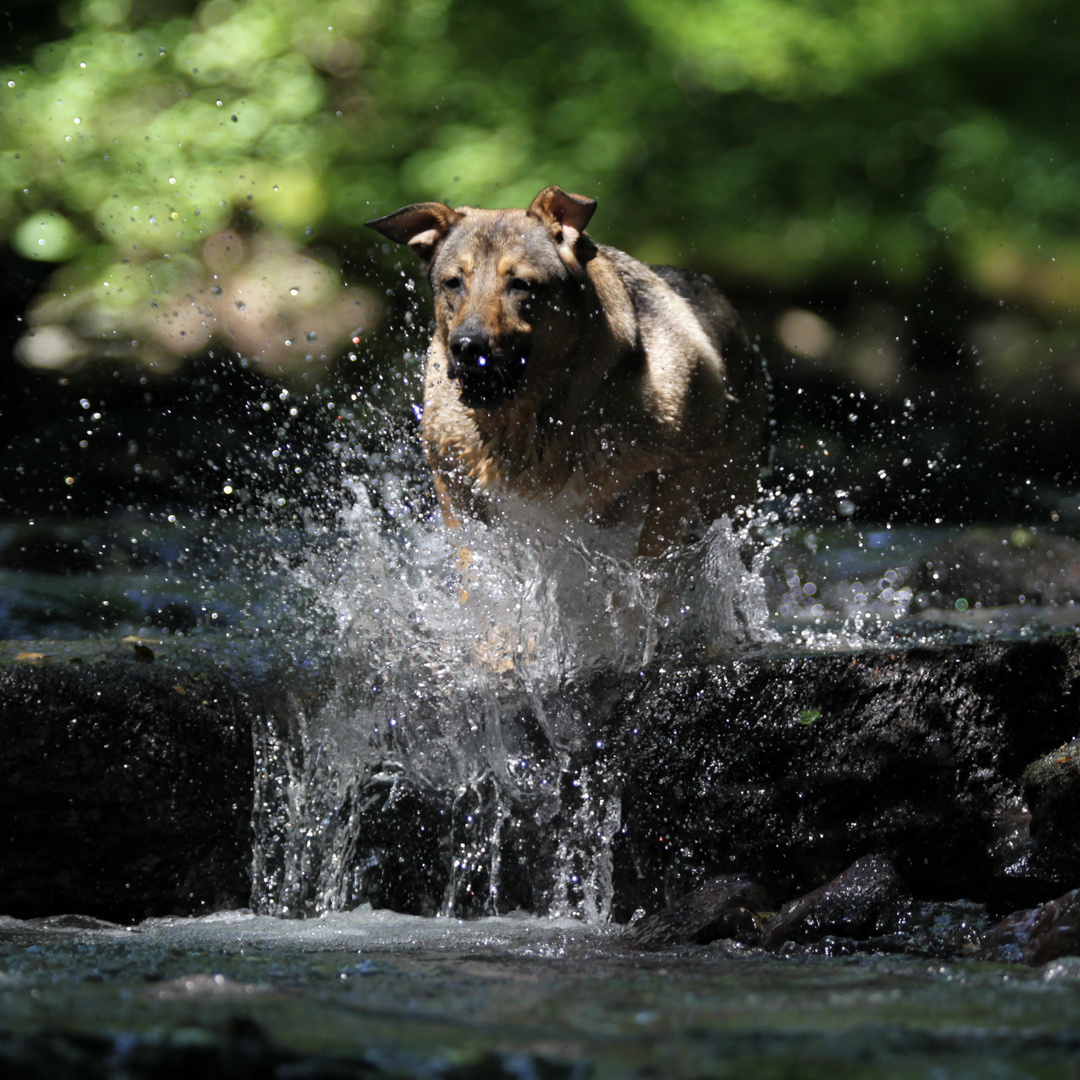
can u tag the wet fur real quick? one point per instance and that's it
(566, 372)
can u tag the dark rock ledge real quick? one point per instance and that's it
(127, 771)
(128, 778)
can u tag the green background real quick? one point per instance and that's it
(889, 189)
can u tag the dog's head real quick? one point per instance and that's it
(507, 286)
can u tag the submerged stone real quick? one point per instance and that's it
(869, 898)
(726, 907)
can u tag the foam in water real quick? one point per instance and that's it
(457, 654)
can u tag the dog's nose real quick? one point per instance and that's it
(470, 349)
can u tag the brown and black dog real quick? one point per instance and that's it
(570, 375)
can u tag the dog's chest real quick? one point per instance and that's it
(576, 470)
(568, 517)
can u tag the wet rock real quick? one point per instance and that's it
(1051, 789)
(725, 907)
(1006, 941)
(868, 898)
(502, 1066)
(236, 1049)
(943, 929)
(1049, 863)
(1027, 880)
(788, 768)
(128, 785)
(1038, 935)
(130, 789)
(1055, 930)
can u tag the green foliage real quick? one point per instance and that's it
(792, 143)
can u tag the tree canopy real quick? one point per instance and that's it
(790, 144)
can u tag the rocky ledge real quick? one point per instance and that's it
(130, 776)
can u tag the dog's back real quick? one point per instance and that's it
(746, 378)
(711, 306)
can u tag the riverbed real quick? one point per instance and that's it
(377, 994)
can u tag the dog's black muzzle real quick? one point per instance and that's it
(487, 376)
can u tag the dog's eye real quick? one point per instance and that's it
(452, 283)
(519, 285)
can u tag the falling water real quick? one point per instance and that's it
(457, 658)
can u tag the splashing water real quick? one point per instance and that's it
(454, 702)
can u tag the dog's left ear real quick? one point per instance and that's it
(566, 216)
(422, 226)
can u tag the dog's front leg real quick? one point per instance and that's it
(671, 508)
(459, 499)
(446, 501)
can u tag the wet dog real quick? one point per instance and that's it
(568, 377)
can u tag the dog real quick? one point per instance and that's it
(567, 376)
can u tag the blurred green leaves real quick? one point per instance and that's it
(802, 49)
(795, 144)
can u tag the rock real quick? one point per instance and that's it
(725, 907)
(128, 785)
(868, 898)
(943, 929)
(1055, 930)
(1037, 935)
(1050, 862)
(234, 1049)
(788, 768)
(1005, 942)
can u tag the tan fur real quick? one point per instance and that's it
(588, 377)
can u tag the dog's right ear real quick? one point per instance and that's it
(422, 226)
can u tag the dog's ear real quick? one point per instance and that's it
(422, 226)
(566, 216)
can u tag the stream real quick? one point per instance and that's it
(374, 994)
(455, 663)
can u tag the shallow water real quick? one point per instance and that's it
(459, 657)
(403, 613)
(415, 997)
(454, 657)
(807, 586)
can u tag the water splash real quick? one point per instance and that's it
(457, 660)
